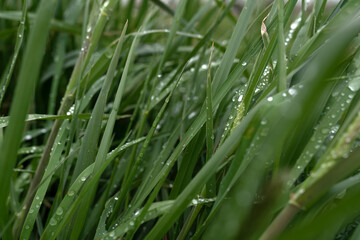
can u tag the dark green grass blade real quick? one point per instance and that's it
(24, 93)
(88, 152)
(19, 39)
(87, 157)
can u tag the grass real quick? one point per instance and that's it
(142, 120)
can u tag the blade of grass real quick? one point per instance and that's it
(40, 193)
(346, 208)
(19, 40)
(326, 126)
(24, 93)
(281, 48)
(78, 191)
(87, 156)
(54, 24)
(317, 185)
(234, 44)
(197, 183)
(4, 121)
(87, 153)
(193, 129)
(211, 186)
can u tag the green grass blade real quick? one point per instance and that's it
(40, 193)
(24, 93)
(196, 184)
(78, 191)
(318, 183)
(54, 24)
(19, 39)
(88, 152)
(87, 157)
(281, 48)
(234, 43)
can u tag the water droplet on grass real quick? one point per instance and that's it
(292, 91)
(59, 211)
(28, 137)
(191, 115)
(53, 222)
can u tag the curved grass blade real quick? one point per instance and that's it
(346, 208)
(24, 93)
(78, 191)
(155, 210)
(318, 183)
(194, 128)
(87, 156)
(40, 193)
(87, 153)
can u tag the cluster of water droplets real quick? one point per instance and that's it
(201, 200)
(236, 113)
(293, 27)
(70, 111)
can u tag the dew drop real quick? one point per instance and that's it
(59, 211)
(27, 137)
(52, 222)
(191, 115)
(292, 91)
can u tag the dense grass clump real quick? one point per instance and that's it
(192, 120)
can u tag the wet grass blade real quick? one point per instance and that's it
(24, 93)
(19, 40)
(87, 157)
(281, 64)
